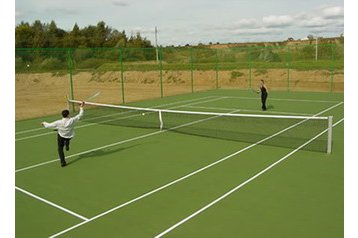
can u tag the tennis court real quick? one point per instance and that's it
(128, 181)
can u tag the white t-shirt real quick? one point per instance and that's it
(65, 126)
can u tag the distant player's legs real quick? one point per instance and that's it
(60, 145)
(263, 101)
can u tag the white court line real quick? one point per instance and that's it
(52, 204)
(286, 99)
(114, 144)
(241, 185)
(250, 98)
(92, 124)
(249, 110)
(161, 105)
(186, 176)
(30, 130)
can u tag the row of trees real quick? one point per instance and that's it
(44, 35)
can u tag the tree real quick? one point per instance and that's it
(136, 41)
(39, 35)
(341, 38)
(39, 40)
(121, 40)
(54, 35)
(101, 34)
(310, 38)
(23, 35)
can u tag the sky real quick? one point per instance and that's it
(182, 22)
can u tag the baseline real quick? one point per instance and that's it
(242, 184)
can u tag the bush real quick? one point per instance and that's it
(51, 64)
(19, 64)
(91, 63)
(236, 74)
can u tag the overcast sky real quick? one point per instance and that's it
(183, 22)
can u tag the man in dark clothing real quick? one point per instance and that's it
(264, 94)
(65, 130)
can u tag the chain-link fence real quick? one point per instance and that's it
(45, 77)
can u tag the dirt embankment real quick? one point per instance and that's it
(41, 94)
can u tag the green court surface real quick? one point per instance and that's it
(143, 182)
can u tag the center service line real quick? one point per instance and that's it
(187, 176)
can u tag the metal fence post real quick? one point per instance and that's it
(333, 48)
(122, 75)
(250, 66)
(161, 71)
(217, 69)
(288, 58)
(70, 68)
(191, 69)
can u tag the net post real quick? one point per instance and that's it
(329, 134)
(160, 119)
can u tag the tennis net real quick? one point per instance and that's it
(273, 130)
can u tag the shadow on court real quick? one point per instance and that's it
(101, 152)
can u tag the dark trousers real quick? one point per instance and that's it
(61, 142)
(263, 100)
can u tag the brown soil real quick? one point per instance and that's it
(41, 94)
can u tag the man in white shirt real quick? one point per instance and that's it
(65, 130)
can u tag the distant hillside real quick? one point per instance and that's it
(332, 40)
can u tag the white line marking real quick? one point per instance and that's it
(184, 177)
(147, 135)
(52, 204)
(286, 99)
(249, 110)
(113, 144)
(162, 105)
(30, 130)
(241, 185)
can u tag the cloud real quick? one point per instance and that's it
(324, 20)
(62, 11)
(19, 13)
(120, 3)
(256, 31)
(247, 23)
(324, 17)
(333, 12)
(313, 22)
(142, 30)
(278, 21)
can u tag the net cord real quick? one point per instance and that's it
(200, 113)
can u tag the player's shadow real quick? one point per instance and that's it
(99, 153)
